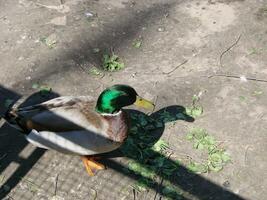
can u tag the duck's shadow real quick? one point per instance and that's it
(146, 130)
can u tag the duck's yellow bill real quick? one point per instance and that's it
(143, 103)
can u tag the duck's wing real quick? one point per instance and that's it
(82, 142)
(60, 115)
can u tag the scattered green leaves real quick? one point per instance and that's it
(201, 139)
(112, 63)
(217, 157)
(148, 154)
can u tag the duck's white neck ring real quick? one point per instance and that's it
(111, 114)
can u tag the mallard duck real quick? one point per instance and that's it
(79, 125)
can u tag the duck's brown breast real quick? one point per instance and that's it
(118, 126)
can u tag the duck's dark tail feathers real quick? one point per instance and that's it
(12, 118)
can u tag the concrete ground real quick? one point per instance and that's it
(216, 48)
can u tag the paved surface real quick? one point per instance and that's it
(203, 33)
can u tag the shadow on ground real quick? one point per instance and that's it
(190, 183)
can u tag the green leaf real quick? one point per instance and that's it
(211, 148)
(45, 89)
(200, 146)
(216, 158)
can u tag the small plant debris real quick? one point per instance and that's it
(257, 93)
(2, 178)
(30, 185)
(96, 50)
(43, 89)
(194, 110)
(242, 98)
(95, 71)
(137, 44)
(217, 157)
(49, 41)
(112, 63)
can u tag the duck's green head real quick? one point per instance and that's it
(112, 99)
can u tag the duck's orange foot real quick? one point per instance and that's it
(91, 165)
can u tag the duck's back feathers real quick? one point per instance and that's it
(59, 114)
